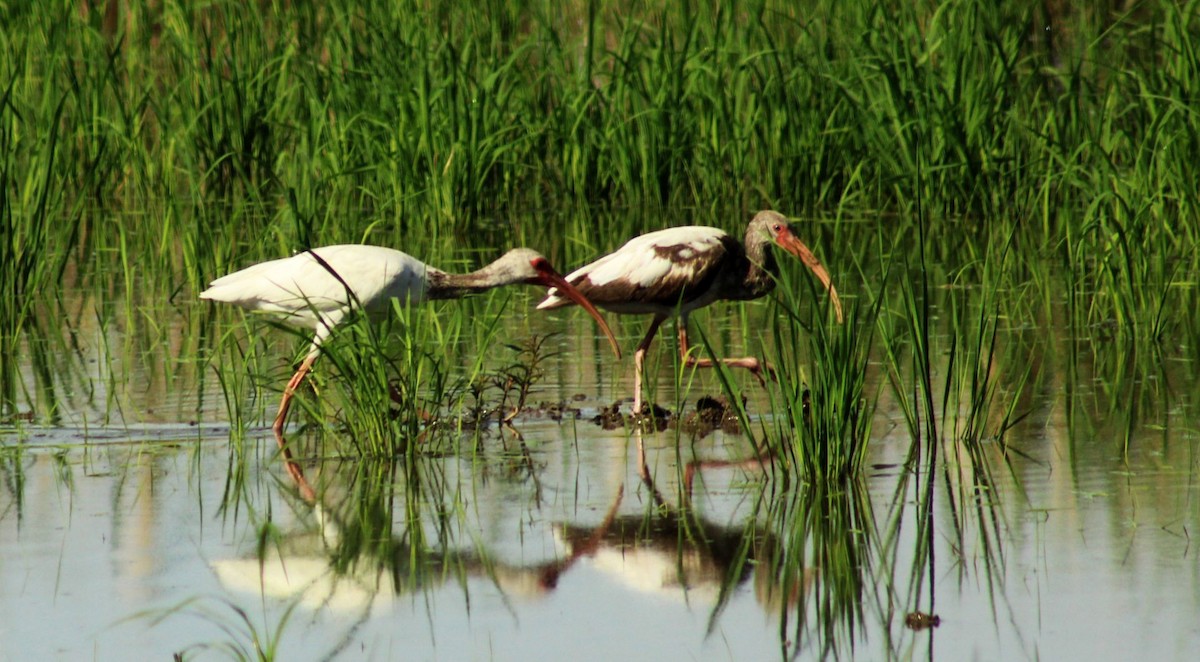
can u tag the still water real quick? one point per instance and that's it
(141, 524)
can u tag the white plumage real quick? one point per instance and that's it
(641, 261)
(305, 293)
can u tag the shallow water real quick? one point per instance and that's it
(141, 524)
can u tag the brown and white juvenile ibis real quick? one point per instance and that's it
(318, 288)
(678, 270)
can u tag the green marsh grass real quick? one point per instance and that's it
(820, 403)
(825, 566)
(949, 374)
(150, 148)
(234, 389)
(243, 636)
(823, 393)
(682, 105)
(13, 461)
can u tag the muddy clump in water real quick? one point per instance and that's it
(557, 411)
(610, 417)
(712, 414)
(652, 418)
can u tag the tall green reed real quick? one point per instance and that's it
(682, 105)
(824, 568)
(676, 105)
(227, 133)
(243, 636)
(821, 398)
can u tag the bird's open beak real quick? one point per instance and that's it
(551, 278)
(792, 244)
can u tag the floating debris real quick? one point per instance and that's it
(919, 620)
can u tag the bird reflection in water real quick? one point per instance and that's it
(664, 549)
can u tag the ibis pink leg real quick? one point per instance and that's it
(643, 468)
(750, 363)
(293, 469)
(639, 357)
(288, 392)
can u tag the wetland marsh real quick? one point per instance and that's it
(994, 457)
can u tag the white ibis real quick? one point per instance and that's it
(681, 269)
(319, 288)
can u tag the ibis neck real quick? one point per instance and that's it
(444, 285)
(761, 268)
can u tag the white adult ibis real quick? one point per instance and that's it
(681, 269)
(319, 288)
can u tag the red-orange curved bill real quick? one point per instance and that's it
(792, 244)
(551, 278)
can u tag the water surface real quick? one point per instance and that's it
(138, 522)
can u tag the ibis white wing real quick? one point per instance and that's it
(649, 270)
(304, 290)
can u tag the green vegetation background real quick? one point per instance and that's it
(289, 123)
(1046, 153)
